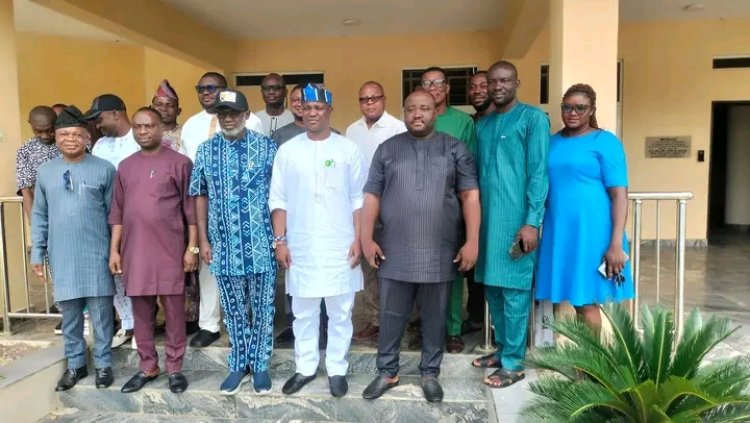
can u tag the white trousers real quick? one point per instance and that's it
(306, 333)
(123, 305)
(210, 305)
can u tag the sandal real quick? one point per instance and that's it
(486, 361)
(504, 377)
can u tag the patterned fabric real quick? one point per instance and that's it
(236, 177)
(171, 138)
(252, 342)
(29, 157)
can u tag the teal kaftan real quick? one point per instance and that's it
(512, 166)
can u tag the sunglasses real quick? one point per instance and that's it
(208, 88)
(268, 88)
(371, 100)
(437, 83)
(68, 178)
(579, 108)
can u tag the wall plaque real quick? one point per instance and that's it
(668, 147)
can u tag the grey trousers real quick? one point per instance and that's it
(396, 302)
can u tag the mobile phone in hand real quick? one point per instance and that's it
(516, 250)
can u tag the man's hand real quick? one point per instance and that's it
(190, 262)
(355, 254)
(115, 263)
(205, 251)
(467, 256)
(283, 256)
(373, 254)
(529, 237)
(39, 271)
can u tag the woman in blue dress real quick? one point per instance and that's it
(587, 206)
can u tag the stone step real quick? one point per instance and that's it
(70, 416)
(282, 362)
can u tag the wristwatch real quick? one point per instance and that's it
(194, 250)
(278, 240)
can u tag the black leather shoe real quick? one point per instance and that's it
(433, 392)
(296, 382)
(191, 328)
(137, 382)
(177, 383)
(377, 387)
(70, 378)
(339, 386)
(104, 377)
(204, 338)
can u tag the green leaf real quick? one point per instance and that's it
(626, 346)
(698, 339)
(658, 337)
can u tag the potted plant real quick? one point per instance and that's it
(633, 377)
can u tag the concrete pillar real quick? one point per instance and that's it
(583, 48)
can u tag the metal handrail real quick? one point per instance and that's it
(5, 273)
(637, 198)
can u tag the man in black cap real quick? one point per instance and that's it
(231, 178)
(109, 114)
(69, 224)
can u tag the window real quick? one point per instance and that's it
(544, 85)
(731, 62)
(291, 79)
(458, 78)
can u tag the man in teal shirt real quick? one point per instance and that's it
(512, 166)
(459, 125)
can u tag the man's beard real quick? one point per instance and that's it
(233, 133)
(484, 106)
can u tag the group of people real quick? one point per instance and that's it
(208, 216)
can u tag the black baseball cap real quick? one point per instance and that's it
(231, 99)
(103, 103)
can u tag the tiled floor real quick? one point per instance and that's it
(717, 280)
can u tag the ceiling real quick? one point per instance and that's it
(660, 10)
(31, 17)
(263, 19)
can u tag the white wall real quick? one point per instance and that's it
(737, 210)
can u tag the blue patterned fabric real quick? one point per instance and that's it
(252, 342)
(236, 177)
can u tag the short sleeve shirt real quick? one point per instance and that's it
(418, 182)
(32, 154)
(236, 177)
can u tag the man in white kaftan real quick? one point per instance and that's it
(315, 199)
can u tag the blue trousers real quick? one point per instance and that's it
(510, 309)
(102, 322)
(251, 343)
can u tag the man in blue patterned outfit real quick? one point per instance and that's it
(231, 178)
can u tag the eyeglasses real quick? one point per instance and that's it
(437, 83)
(228, 113)
(68, 178)
(208, 88)
(268, 88)
(371, 100)
(579, 108)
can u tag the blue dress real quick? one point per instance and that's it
(578, 224)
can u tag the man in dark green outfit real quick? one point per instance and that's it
(459, 125)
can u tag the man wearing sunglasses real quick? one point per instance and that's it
(199, 128)
(274, 115)
(375, 126)
(231, 180)
(69, 225)
(459, 125)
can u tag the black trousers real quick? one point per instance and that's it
(396, 303)
(475, 302)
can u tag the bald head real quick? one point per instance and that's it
(420, 114)
(504, 65)
(42, 122)
(371, 84)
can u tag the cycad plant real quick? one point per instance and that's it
(631, 377)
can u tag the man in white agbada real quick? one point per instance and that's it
(195, 131)
(315, 200)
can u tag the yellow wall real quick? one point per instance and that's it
(182, 75)
(74, 71)
(9, 111)
(349, 61)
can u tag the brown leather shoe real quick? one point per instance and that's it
(368, 332)
(455, 345)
